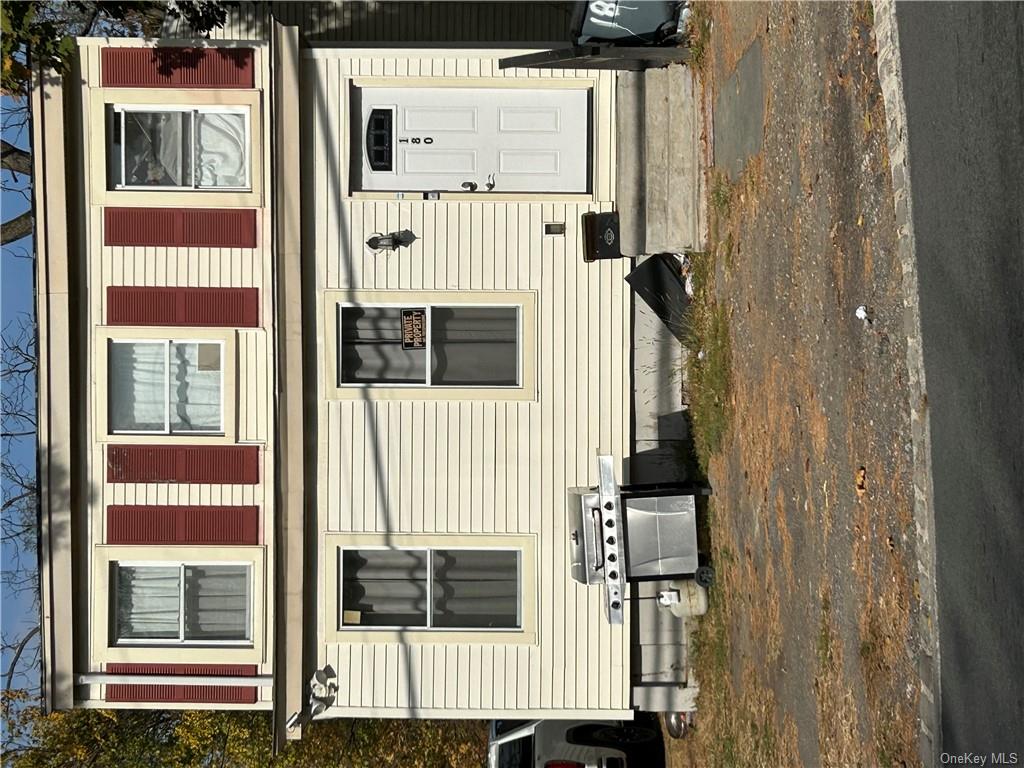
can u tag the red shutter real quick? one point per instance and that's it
(195, 694)
(181, 227)
(229, 464)
(174, 67)
(230, 307)
(230, 526)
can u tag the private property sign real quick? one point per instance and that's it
(414, 329)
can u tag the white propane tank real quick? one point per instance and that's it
(693, 599)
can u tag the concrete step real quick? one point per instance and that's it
(658, 160)
(631, 190)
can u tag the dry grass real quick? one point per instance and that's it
(699, 35)
(838, 740)
(709, 363)
(738, 721)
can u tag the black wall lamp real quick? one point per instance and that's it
(391, 241)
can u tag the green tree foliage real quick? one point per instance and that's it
(154, 738)
(41, 31)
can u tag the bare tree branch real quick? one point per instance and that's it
(8, 503)
(15, 159)
(17, 655)
(15, 229)
(18, 486)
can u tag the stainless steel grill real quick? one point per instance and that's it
(629, 533)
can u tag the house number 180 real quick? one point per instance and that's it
(417, 140)
(604, 8)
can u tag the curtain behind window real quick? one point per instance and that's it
(476, 589)
(147, 600)
(472, 589)
(216, 602)
(371, 348)
(387, 587)
(220, 150)
(474, 346)
(138, 387)
(195, 392)
(158, 149)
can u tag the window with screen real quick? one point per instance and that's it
(158, 603)
(178, 147)
(165, 387)
(430, 588)
(430, 345)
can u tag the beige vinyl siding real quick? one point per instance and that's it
(474, 467)
(251, 367)
(410, 22)
(183, 267)
(252, 387)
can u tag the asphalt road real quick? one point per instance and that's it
(963, 67)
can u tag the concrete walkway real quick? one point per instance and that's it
(660, 188)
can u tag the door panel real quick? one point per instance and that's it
(438, 162)
(418, 119)
(505, 139)
(527, 162)
(530, 119)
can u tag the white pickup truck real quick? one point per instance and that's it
(577, 743)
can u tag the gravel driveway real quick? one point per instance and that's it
(808, 653)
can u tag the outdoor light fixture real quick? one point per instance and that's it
(391, 241)
(322, 690)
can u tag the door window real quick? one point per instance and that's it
(517, 753)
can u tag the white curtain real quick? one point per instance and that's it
(157, 149)
(195, 392)
(138, 387)
(217, 602)
(220, 150)
(147, 602)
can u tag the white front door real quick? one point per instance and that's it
(474, 139)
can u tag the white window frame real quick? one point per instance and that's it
(119, 111)
(428, 627)
(427, 307)
(181, 641)
(167, 387)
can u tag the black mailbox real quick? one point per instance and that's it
(600, 236)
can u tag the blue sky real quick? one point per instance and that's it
(17, 614)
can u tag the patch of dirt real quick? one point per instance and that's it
(807, 654)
